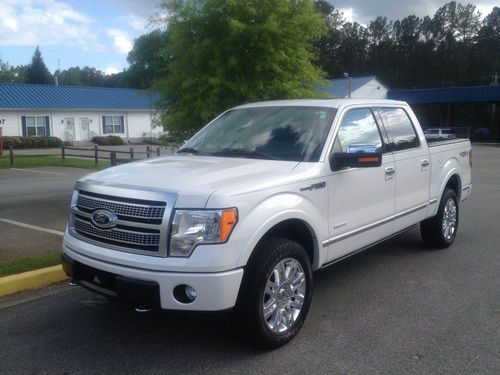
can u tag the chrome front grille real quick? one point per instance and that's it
(91, 202)
(139, 225)
(135, 240)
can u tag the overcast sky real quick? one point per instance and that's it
(100, 33)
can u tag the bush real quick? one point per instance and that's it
(31, 142)
(109, 140)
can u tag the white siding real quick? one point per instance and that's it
(137, 124)
(140, 125)
(373, 89)
(10, 123)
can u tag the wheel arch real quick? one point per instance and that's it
(295, 226)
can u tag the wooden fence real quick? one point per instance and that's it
(115, 157)
(111, 155)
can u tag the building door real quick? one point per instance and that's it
(69, 129)
(84, 129)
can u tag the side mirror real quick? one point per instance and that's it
(341, 160)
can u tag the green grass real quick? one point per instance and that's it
(29, 161)
(12, 267)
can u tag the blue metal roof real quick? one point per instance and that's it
(26, 96)
(339, 87)
(471, 94)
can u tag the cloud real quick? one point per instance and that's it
(365, 11)
(111, 70)
(121, 41)
(45, 22)
(137, 23)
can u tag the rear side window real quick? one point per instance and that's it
(400, 129)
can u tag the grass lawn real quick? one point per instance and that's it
(12, 267)
(24, 161)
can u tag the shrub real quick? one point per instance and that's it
(108, 140)
(31, 142)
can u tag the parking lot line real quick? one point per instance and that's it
(33, 171)
(34, 227)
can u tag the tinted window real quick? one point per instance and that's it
(284, 133)
(358, 132)
(399, 128)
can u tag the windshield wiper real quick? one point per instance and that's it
(188, 150)
(235, 152)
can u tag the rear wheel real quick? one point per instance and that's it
(276, 292)
(439, 231)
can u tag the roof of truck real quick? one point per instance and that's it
(329, 103)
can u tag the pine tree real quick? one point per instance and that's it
(37, 71)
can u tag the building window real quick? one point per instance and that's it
(112, 124)
(35, 126)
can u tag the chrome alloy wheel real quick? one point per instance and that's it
(449, 224)
(284, 295)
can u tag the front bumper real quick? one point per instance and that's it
(154, 289)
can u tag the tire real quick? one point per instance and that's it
(440, 231)
(286, 297)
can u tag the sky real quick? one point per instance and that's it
(100, 33)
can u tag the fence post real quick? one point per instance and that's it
(112, 157)
(96, 155)
(157, 151)
(11, 155)
(148, 152)
(131, 153)
(63, 153)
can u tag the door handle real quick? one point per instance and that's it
(424, 163)
(389, 173)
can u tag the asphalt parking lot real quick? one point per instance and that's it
(394, 309)
(39, 197)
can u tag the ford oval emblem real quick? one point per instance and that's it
(104, 219)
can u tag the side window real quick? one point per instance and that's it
(399, 128)
(358, 132)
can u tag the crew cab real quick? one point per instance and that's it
(255, 202)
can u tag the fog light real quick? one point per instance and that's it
(191, 293)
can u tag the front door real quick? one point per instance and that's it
(69, 129)
(361, 200)
(84, 129)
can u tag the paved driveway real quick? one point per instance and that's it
(39, 197)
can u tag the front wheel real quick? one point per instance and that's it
(276, 292)
(439, 231)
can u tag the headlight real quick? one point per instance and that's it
(191, 228)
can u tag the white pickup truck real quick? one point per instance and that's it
(259, 199)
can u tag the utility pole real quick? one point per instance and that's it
(346, 75)
(494, 107)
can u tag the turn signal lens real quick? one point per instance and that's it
(228, 221)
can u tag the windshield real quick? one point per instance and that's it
(280, 133)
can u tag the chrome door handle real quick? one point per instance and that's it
(389, 173)
(424, 163)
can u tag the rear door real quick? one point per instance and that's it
(361, 200)
(412, 167)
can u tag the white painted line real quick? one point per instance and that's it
(34, 227)
(42, 172)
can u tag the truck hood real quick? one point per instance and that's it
(193, 178)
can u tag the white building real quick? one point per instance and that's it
(76, 113)
(368, 87)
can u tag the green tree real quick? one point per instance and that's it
(147, 62)
(37, 71)
(227, 52)
(328, 45)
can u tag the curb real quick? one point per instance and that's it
(31, 280)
